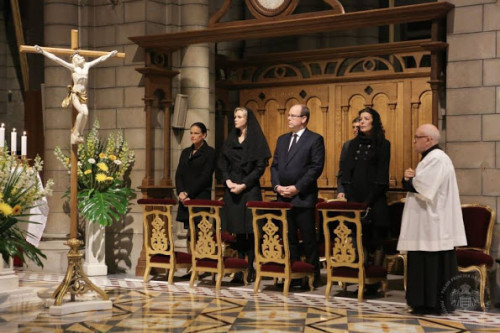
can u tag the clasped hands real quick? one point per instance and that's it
(234, 187)
(287, 191)
(409, 173)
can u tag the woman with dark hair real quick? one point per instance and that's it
(365, 177)
(193, 178)
(243, 160)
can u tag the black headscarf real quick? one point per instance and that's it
(256, 147)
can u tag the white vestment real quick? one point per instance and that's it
(432, 218)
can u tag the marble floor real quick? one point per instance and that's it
(159, 307)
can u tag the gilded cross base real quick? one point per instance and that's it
(76, 281)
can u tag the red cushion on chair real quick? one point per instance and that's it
(180, 258)
(371, 271)
(231, 262)
(203, 202)
(207, 263)
(227, 237)
(183, 257)
(268, 204)
(467, 258)
(297, 267)
(341, 205)
(476, 222)
(153, 201)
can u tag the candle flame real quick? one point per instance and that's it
(3, 125)
(24, 133)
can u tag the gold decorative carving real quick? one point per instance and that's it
(205, 244)
(271, 247)
(159, 241)
(343, 249)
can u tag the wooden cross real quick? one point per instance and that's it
(76, 282)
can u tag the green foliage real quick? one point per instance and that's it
(20, 190)
(103, 193)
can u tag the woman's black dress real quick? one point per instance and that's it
(194, 176)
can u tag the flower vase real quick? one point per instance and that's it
(95, 250)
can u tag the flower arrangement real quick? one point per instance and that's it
(20, 190)
(103, 193)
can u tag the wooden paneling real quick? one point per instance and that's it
(333, 106)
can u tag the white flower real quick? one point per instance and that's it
(91, 161)
(79, 163)
(117, 162)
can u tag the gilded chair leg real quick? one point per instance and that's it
(257, 283)
(286, 287)
(146, 273)
(171, 272)
(245, 277)
(361, 288)
(405, 269)
(219, 281)
(328, 288)
(311, 282)
(194, 274)
(482, 283)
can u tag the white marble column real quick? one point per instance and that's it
(95, 249)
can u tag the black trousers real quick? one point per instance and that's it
(302, 219)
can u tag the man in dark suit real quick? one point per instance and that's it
(297, 163)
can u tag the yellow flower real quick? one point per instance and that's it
(112, 157)
(102, 166)
(16, 210)
(5, 209)
(87, 172)
(100, 177)
(1, 196)
(109, 178)
(66, 160)
(102, 155)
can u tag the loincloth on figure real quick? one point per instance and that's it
(82, 97)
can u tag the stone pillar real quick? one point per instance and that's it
(473, 107)
(194, 82)
(60, 17)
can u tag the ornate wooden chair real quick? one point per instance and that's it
(158, 240)
(345, 257)
(479, 221)
(390, 245)
(272, 253)
(207, 248)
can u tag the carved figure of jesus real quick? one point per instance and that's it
(77, 94)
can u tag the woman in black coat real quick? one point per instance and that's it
(244, 158)
(193, 178)
(365, 176)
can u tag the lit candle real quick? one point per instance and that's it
(24, 144)
(13, 142)
(2, 136)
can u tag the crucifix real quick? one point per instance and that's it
(75, 282)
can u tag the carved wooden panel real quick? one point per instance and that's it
(403, 105)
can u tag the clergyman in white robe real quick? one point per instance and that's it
(432, 226)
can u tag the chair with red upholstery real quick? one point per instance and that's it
(272, 252)
(158, 239)
(207, 247)
(479, 221)
(390, 244)
(344, 248)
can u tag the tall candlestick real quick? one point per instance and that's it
(13, 142)
(2, 136)
(24, 145)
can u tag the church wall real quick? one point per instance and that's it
(473, 105)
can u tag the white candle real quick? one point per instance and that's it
(2, 136)
(24, 144)
(13, 141)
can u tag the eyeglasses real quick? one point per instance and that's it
(295, 115)
(416, 137)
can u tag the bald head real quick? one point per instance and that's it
(431, 131)
(426, 136)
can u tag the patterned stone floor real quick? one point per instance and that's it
(159, 307)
